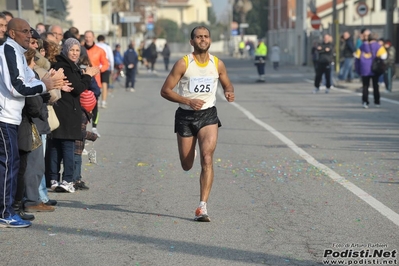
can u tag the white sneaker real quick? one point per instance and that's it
(95, 131)
(54, 184)
(68, 187)
(84, 152)
(316, 90)
(104, 104)
(132, 89)
(365, 105)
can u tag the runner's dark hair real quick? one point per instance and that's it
(192, 35)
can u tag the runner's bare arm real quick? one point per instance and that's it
(226, 83)
(171, 81)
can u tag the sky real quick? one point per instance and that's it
(219, 6)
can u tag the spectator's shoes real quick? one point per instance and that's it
(41, 207)
(54, 185)
(65, 187)
(80, 185)
(14, 222)
(201, 214)
(51, 202)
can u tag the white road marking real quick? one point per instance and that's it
(360, 193)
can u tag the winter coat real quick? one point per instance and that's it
(130, 57)
(275, 54)
(349, 48)
(324, 56)
(31, 109)
(365, 55)
(166, 52)
(68, 108)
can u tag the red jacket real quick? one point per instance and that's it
(98, 58)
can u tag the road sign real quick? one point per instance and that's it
(315, 22)
(150, 26)
(362, 9)
(129, 17)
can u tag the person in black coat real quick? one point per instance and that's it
(325, 57)
(166, 56)
(130, 60)
(61, 142)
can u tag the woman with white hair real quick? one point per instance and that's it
(61, 141)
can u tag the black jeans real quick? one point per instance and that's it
(366, 85)
(323, 68)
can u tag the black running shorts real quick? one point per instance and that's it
(189, 122)
(105, 76)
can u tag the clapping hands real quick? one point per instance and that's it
(91, 71)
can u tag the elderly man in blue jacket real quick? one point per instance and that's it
(17, 81)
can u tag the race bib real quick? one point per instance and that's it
(201, 84)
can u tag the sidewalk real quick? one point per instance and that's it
(355, 85)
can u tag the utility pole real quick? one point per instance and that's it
(19, 9)
(131, 30)
(300, 30)
(335, 34)
(44, 12)
(389, 7)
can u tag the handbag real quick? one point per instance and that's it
(36, 139)
(52, 119)
(378, 66)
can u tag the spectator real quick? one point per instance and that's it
(348, 54)
(34, 159)
(61, 144)
(48, 36)
(99, 59)
(275, 56)
(130, 60)
(40, 28)
(107, 73)
(151, 54)
(3, 28)
(166, 56)
(58, 33)
(390, 63)
(12, 90)
(365, 55)
(118, 63)
(8, 15)
(325, 58)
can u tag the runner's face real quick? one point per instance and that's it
(201, 41)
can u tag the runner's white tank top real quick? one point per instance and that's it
(200, 81)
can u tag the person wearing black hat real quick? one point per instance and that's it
(33, 40)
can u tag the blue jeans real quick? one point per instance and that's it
(78, 168)
(42, 187)
(61, 150)
(346, 70)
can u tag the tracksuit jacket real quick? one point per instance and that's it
(17, 81)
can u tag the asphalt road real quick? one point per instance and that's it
(297, 175)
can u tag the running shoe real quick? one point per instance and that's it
(14, 222)
(201, 214)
